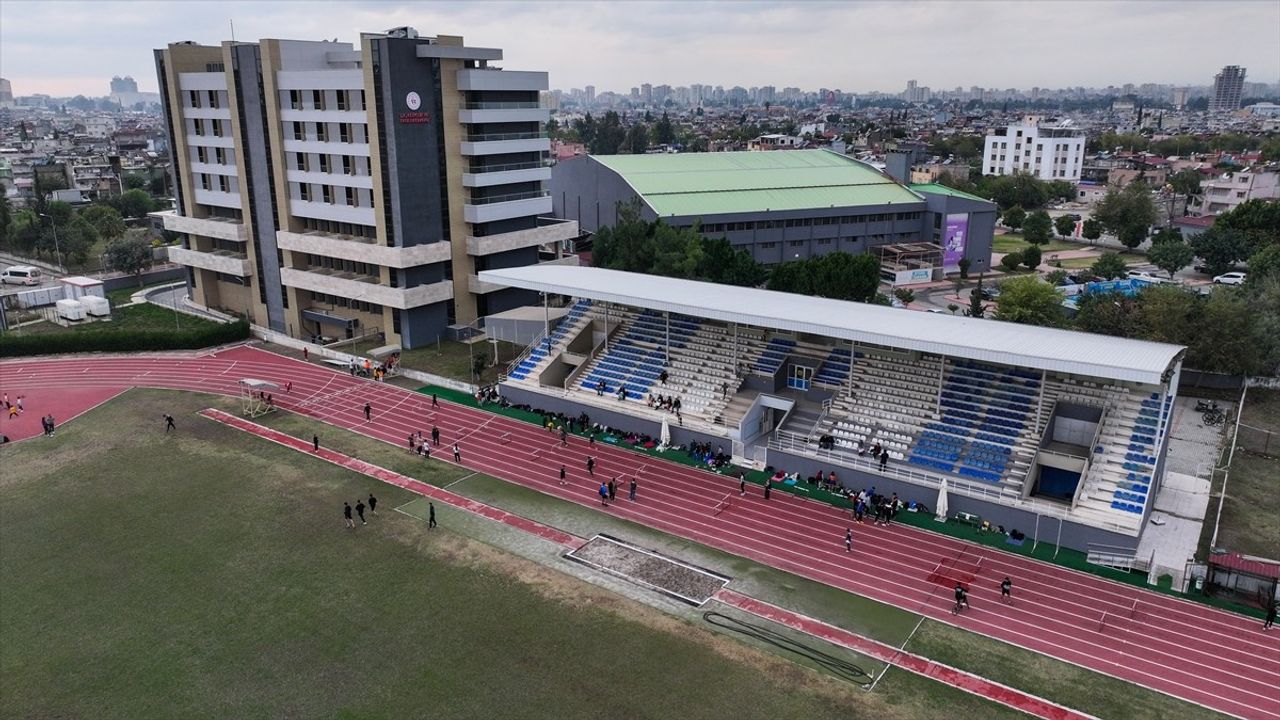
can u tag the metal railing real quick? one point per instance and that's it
(511, 197)
(795, 443)
(1112, 556)
(508, 167)
(538, 339)
(504, 106)
(488, 137)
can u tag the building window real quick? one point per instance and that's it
(317, 99)
(213, 99)
(303, 164)
(326, 194)
(224, 184)
(346, 165)
(295, 99)
(768, 245)
(297, 131)
(202, 154)
(352, 200)
(304, 192)
(797, 243)
(322, 132)
(342, 99)
(344, 132)
(324, 163)
(204, 182)
(357, 99)
(824, 241)
(194, 97)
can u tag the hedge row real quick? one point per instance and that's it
(117, 340)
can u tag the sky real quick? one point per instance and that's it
(68, 48)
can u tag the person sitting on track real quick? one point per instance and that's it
(962, 598)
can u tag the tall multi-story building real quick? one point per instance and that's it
(1228, 86)
(331, 190)
(1048, 152)
(124, 84)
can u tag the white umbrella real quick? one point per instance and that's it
(664, 437)
(941, 514)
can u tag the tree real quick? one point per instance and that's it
(25, 231)
(976, 309)
(1056, 277)
(842, 276)
(1028, 301)
(1091, 229)
(157, 186)
(1258, 219)
(76, 239)
(1224, 339)
(1014, 217)
(1128, 214)
(637, 141)
(1109, 266)
(952, 308)
(965, 264)
(105, 219)
(1065, 225)
(1011, 261)
(664, 132)
(1264, 264)
(1185, 182)
(130, 255)
(1062, 190)
(134, 182)
(905, 295)
(59, 213)
(1109, 313)
(609, 135)
(1038, 228)
(134, 203)
(1166, 235)
(6, 219)
(1031, 257)
(1220, 248)
(1171, 256)
(1019, 189)
(792, 277)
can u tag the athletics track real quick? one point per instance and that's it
(1207, 656)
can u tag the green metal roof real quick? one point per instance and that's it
(699, 184)
(939, 189)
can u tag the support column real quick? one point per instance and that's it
(666, 353)
(735, 348)
(1044, 375)
(546, 321)
(606, 327)
(942, 367)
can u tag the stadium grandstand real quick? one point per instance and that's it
(1024, 423)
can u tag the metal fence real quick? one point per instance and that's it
(1258, 441)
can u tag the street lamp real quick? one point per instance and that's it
(56, 248)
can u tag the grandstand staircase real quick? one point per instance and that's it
(539, 354)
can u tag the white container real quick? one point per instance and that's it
(71, 309)
(80, 286)
(96, 306)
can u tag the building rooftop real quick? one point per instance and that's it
(1005, 343)
(940, 189)
(697, 184)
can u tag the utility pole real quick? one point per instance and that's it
(56, 248)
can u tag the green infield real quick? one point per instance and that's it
(208, 574)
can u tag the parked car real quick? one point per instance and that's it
(1231, 278)
(990, 292)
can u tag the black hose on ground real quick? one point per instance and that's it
(840, 668)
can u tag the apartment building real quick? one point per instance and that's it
(330, 190)
(1225, 192)
(1048, 152)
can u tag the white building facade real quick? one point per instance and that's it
(1047, 152)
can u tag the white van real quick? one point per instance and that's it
(22, 275)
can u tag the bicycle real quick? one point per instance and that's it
(1214, 418)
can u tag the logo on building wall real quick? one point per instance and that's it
(413, 100)
(414, 116)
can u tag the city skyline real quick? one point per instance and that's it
(617, 46)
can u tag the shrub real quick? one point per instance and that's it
(1031, 257)
(1010, 262)
(115, 340)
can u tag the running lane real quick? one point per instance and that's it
(1217, 659)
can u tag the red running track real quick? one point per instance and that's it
(1206, 656)
(968, 682)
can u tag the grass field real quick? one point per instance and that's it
(207, 574)
(1251, 509)
(1013, 242)
(452, 359)
(143, 316)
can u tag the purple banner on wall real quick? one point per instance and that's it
(954, 238)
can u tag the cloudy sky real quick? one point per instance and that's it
(65, 48)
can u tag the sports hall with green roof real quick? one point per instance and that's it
(779, 205)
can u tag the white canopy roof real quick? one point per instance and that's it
(1003, 343)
